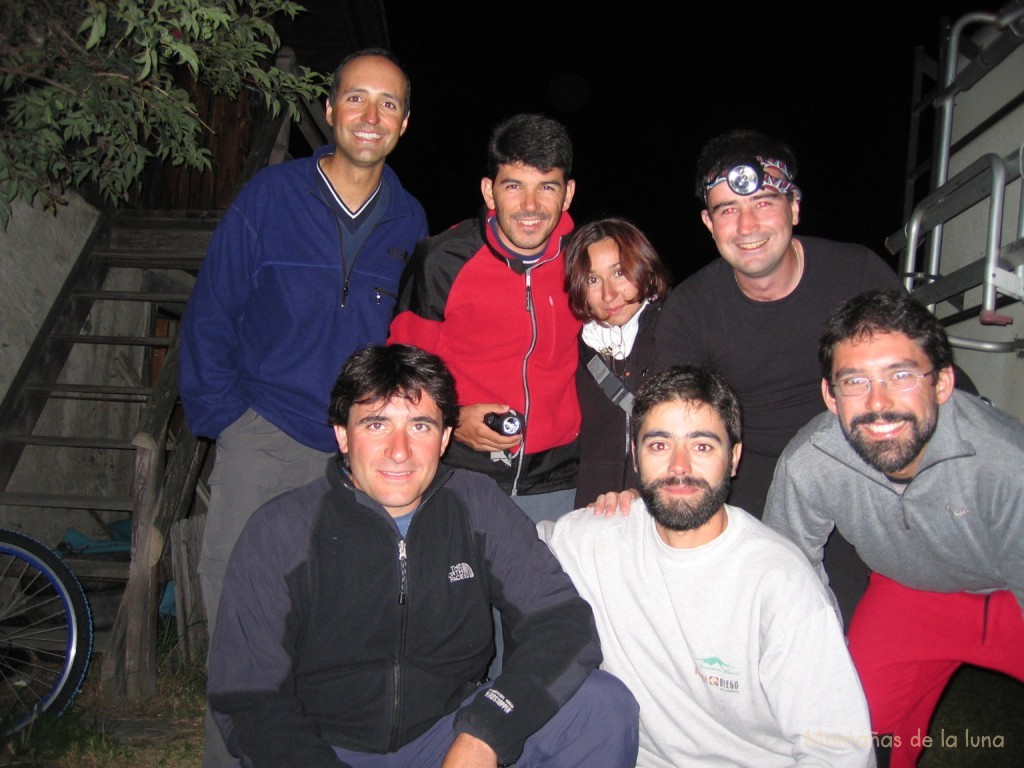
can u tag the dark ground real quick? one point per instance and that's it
(979, 723)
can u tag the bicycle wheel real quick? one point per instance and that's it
(45, 632)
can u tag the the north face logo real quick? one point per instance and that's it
(460, 571)
(502, 701)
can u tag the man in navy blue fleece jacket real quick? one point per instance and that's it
(355, 627)
(302, 271)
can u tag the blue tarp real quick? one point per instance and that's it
(77, 543)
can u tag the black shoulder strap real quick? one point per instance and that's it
(610, 384)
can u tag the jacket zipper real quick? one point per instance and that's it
(403, 566)
(526, 386)
(346, 271)
(396, 669)
(903, 513)
(380, 293)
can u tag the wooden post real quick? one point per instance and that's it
(129, 666)
(141, 597)
(132, 650)
(186, 541)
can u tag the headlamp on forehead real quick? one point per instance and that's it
(748, 176)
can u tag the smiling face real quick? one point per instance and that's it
(368, 112)
(611, 296)
(753, 234)
(685, 462)
(393, 449)
(888, 429)
(528, 204)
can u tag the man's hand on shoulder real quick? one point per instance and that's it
(470, 752)
(608, 504)
(473, 432)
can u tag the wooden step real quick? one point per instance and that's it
(127, 341)
(92, 389)
(170, 233)
(159, 218)
(67, 441)
(90, 569)
(150, 260)
(159, 298)
(66, 501)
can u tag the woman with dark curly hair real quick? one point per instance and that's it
(616, 285)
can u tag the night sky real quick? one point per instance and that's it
(641, 86)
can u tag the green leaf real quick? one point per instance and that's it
(186, 55)
(96, 23)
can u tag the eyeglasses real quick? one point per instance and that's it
(897, 381)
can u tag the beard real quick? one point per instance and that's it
(891, 455)
(684, 514)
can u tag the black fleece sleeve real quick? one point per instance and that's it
(551, 631)
(250, 664)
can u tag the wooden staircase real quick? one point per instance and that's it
(94, 403)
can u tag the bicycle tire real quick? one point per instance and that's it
(46, 632)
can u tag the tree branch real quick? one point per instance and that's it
(40, 79)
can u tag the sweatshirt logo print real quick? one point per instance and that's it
(717, 674)
(460, 572)
(500, 700)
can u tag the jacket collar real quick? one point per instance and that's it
(341, 482)
(397, 204)
(551, 250)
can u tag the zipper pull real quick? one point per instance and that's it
(529, 290)
(380, 293)
(344, 293)
(403, 566)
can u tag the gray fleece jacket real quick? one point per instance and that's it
(958, 526)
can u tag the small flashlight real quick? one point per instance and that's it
(744, 179)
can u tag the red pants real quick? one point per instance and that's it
(907, 643)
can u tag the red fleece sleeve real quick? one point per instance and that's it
(410, 328)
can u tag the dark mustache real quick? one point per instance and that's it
(682, 480)
(869, 418)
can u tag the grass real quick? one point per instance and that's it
(166, 732)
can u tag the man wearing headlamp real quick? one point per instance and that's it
(750, 210)
(755, 314)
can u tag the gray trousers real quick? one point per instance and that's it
(255, 462)
(547, 506)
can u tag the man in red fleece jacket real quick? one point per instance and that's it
(488, 297)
